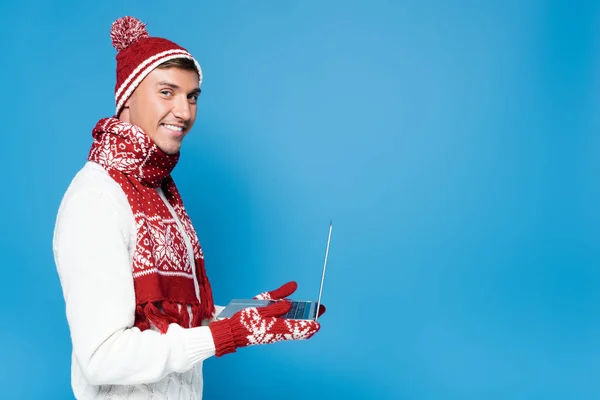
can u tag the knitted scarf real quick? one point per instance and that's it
(162, 275)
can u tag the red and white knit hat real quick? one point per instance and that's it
(139, 54)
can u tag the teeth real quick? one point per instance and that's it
(173, 127)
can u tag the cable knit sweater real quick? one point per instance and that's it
(94, 241)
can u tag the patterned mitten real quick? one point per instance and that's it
(262, 325)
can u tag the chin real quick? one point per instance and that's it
(170, 149)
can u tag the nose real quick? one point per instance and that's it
(182, 108)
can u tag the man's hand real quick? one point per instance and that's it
(283, 292)
(279, 294)
(262, 325)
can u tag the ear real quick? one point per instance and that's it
(124, 114)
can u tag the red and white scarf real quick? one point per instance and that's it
(162, 275)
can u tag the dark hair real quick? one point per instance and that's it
(183, 63)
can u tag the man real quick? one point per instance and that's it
(138, 301)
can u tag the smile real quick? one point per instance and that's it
(174, 128)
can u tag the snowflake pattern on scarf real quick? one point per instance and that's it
(163, 270)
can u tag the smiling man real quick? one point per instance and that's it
(164, 104)
(138, 300)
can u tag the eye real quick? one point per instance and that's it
(166, 92)
(193, 98)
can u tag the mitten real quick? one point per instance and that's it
(262, 325)
(283, 292)
(278, 294)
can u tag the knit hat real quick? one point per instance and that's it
(138, 55)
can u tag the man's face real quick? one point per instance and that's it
(164, 106)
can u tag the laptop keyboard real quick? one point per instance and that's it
(297, 310)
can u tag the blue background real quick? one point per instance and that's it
(454, 145)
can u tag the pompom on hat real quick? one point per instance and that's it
(138, 54)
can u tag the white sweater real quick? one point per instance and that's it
(94, 240)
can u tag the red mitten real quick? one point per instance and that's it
(261, 325)
(284, 291)
(279, 294)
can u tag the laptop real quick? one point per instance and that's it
(301, 309)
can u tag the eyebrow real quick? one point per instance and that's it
(176, 87)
